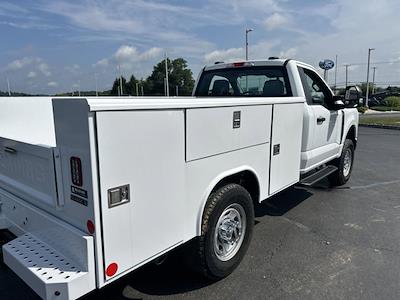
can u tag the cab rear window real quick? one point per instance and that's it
(244, 82)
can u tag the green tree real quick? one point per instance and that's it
(116, 86)
(178, 74)
(130, 87)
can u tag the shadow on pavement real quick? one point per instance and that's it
(173, 277)
(170, 278)
(281, 203)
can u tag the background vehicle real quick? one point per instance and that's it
(97, 187)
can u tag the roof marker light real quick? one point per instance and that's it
(238, 64)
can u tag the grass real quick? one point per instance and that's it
(386, 108)
(395, 120)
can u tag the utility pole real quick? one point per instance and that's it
(166, 76)
(247, 42)
(335, 72)
(369, 61)
(8, 87)
(142, 90)
(137, 89)
(347, 73)
(177, 90)
(373, 80)
(97, 90)
(121, 92)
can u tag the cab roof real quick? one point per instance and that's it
(253, 63)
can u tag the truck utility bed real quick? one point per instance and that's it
(96, 187)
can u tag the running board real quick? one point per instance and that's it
(317, 176)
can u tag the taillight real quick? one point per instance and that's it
(90, 226)
(76, 171)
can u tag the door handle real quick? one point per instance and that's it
(10, 150)
(320, 120)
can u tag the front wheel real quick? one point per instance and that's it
(227, 228)
(344, 164)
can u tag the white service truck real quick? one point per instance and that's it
(94, 188)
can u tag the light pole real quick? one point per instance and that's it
(166, 76)
(373, 80)
(97, 90)
(247, 42)
(8, 87)
(347, 73)
(369, 61)
(335, 72)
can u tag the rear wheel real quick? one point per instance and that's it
(344, 164)
(227, 228)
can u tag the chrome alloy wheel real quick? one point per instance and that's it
(229, 232)
(347, 162)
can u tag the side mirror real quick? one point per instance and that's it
(352, 96)
(338, 102)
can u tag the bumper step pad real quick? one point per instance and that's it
(49, 273)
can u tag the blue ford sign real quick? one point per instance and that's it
(326, 64)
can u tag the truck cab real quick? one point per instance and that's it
(327, 122)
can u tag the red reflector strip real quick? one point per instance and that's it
(76, 171)
(238, 64)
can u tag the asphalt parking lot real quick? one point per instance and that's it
(308, 243)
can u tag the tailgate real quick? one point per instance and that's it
(28, 171)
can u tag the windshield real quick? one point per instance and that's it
(245, 82)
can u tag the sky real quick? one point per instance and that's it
(50, 46)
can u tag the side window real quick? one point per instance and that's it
(314, 88)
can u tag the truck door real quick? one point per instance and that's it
(325, 141)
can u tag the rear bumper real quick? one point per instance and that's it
(54, 258)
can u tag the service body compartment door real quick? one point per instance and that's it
(287, 129)
(145, 150)
(28, 171)
(218, 130)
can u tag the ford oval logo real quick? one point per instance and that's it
(326, 64)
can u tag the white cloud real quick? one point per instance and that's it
(289, 53)
(227, 55)
(20, 63)
(44, 69)
(31, 74)
(102, 63)
(276, 20)
(24, 62)
(129, 57)
(127, 54)
(261, 50)
(75, 68)
(52, 84)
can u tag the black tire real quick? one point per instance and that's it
(203, 255)
(342, 176)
